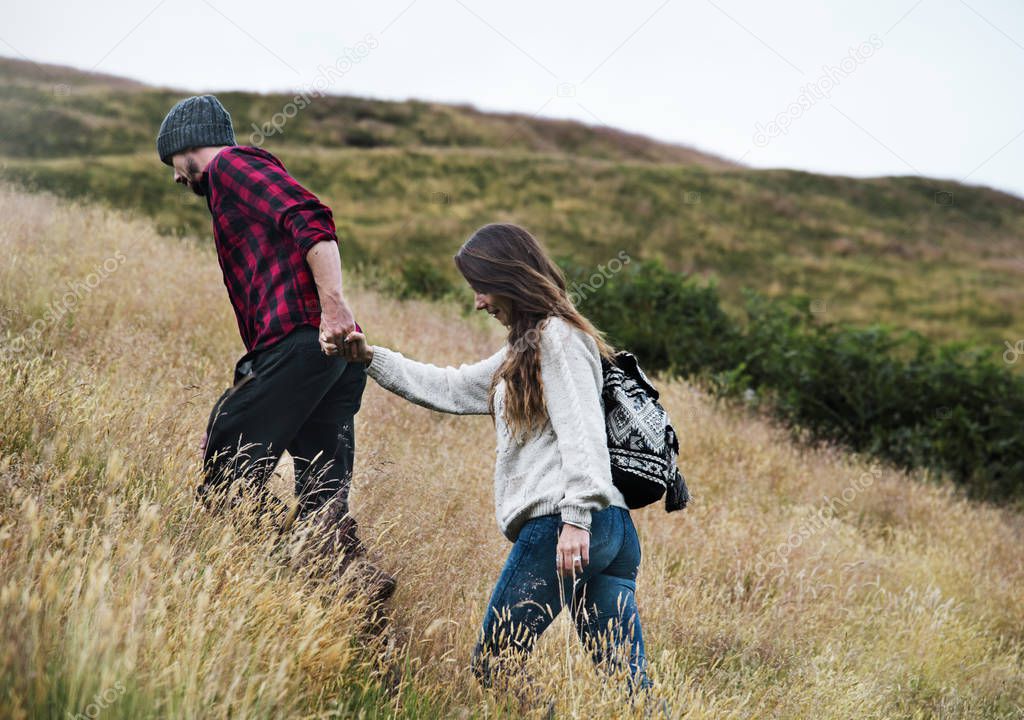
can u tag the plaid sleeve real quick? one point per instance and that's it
(267, 192)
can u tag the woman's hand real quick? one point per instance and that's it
(573, 552)
(355, 348)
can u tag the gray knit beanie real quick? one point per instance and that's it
(198, 121)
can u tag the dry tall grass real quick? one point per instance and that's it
(773, 595)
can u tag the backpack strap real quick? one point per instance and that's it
(627, 362)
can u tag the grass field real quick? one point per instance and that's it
(800, 583)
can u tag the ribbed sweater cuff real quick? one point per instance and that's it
(376, 368)
(576, 516)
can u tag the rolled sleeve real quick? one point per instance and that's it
(265, 191)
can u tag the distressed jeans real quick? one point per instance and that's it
(529, 595)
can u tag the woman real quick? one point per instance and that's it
(574, 540)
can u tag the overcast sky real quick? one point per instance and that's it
(868, 87)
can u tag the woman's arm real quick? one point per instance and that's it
(572, 377)
(464, 390)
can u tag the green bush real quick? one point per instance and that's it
(670, 321)
(896, 396)
(418, 278)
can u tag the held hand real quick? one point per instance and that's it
(336, 322)
(356, 348)
(573, 552)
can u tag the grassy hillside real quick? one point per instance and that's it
(56, 111)
(409, 181)
(798, 584)
(862, 250)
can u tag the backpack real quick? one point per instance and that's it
(642, 443)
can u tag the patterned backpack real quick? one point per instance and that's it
(641, 441)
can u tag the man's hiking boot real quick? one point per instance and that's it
(333, 551)
(377, 584)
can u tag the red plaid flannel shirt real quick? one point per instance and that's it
(264, 223)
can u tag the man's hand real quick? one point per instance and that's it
(573, 551)
(336, 323)
(355, 349)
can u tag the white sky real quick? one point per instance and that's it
(940, 94)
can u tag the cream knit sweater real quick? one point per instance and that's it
(561, 468)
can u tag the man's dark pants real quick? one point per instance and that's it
(289, 396)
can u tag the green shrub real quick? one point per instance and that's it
(896, 396)
(670, 321)
(419, 278)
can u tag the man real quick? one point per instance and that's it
(278, 251)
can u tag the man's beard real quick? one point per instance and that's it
(199, 186)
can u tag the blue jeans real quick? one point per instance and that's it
(529, 595)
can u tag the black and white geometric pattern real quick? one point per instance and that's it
(642, 443)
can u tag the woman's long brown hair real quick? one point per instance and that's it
(508, 263)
